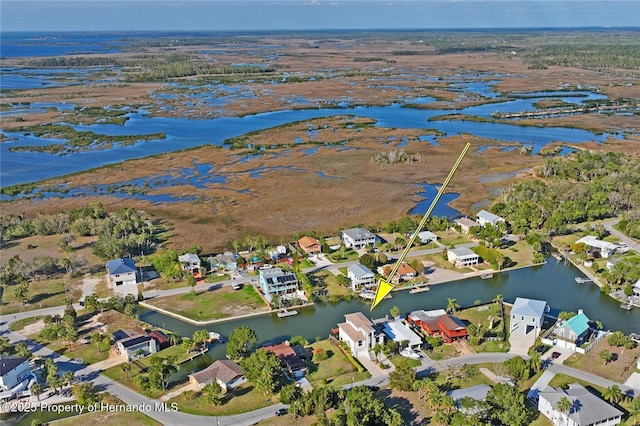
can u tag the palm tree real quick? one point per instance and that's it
(605, 356)
(67, 377)
(174, 338)
(613, 394)
(126, 368)
(452, 304)
(536, 361)
(36, 390)
(564, 405)
(376, 350)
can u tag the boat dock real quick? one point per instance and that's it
(627, 306)
(486, 276)
(581, 280)
(419, 289)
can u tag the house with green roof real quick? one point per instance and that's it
(573, 332)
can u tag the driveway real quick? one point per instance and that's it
(520, 343)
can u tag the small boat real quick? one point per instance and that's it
(286, 313)
(367, 294)
(215, 337)
(627, 306)
(486, 276)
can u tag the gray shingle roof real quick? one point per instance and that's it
(586, 408)
(529, 307)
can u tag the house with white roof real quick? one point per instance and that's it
(358, 238)
(360, 276)
(477, 392)
(484, 217)
(425, 237)
(604, 248)
(573, 332)
(462, 257)
(527, 316)
(359, 334)
(122, 276)
(399, 333)
(189, 262)
(586, 408)
(636, 288)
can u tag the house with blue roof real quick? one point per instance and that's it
(360, 276)
(527, 316)
(122, 276)
(573, 332)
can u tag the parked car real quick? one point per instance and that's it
(555, 355)
(281, 412)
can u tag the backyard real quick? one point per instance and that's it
(336, 369)
(242, 399)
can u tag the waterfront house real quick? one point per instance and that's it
(425, 237)
(13, 371)
(275, 281)
(122, 276)
(360, 276)
(484, 217)
(127, 342)
(290, 358)
(604, 248)
(612, 261)
(573, 332)
(439, 324)
(462, 257)
(359, 334)
(400, 333)
(310, 245)
(527, 316)
(227, 261)
(162, 341)
(227, 373)
(189, 262)
(136, 346)
(465, 224)
(586, 408)
(358, 238)
(405, 272)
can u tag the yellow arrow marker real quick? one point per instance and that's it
(384, 288)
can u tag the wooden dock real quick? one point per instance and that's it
(420, 289)
(581, 280)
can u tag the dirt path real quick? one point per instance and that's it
(89, 286)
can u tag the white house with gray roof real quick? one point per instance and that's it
(360, 276)
(586, 408)
(527, 316)
(359, 334)
(484, 217)
(462, 257)
(358, 238)
(399, 332)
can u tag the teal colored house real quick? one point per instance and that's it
(574, 332)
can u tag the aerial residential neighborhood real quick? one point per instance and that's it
(337, 213)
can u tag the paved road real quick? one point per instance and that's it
(608, 225)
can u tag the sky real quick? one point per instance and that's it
(239, 15)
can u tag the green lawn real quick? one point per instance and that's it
(211, 305)
(88, 352)
(449, 238)
(327, 280)
(242, 399)
(442, 352)
(140, 366)
(336, 369)
(20, 324)
(42, 294)
(400, 360)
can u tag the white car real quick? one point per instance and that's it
(410, 353)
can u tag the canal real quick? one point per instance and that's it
(553, 282)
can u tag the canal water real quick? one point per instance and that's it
(553, 282)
